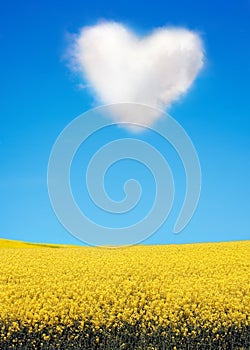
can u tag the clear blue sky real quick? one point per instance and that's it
(39, 97)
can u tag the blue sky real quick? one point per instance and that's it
(39, 97)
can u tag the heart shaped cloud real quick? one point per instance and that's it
(122, 67)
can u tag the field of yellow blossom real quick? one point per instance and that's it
(192, 296)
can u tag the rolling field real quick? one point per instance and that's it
(7, 243)
(192, 296)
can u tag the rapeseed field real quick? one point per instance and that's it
(192, 296)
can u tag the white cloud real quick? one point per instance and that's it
(121, 67)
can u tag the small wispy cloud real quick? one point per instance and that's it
(121, 67)
(82, 86)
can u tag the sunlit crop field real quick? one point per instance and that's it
(143, 297)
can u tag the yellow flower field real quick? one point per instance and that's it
(193, 296)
